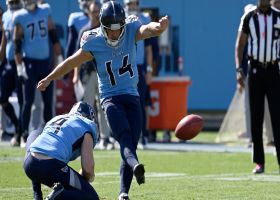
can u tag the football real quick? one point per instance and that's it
(189, 127)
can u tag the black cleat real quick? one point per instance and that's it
(55, 194)
(139, 173)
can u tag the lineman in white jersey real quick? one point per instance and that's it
(113, 45)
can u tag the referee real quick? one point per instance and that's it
(259, 28)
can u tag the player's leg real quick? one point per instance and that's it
(148, 103)
(126, 176)
(52, 171)
(5, 136)
(37, 191)
(134, 117)
(256, 98)
(117, 116)
(142, 90)
(75, 186)
(43, 69)
(268, 133)
(28, 94)
(36, 120)
(273, 98)
(247, 112)
(36, 186)
(19, 91)
(7, 86)
(89, 81)
(91, 96)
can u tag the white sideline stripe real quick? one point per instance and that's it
(114, 155)
(186, 147)
(11, 159)
(154, 176)
(273, 177)
(6, 159)
(21, 158)
(193, 147)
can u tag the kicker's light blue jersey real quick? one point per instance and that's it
(35, 30)
(63, 135)
(140, 44)
(116, 66)
(8, 26)
(78, 20)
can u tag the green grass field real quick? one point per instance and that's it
(170, 175)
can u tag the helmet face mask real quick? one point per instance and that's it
(83, 109)
(13, 4)
(112, 17)
(30, 5)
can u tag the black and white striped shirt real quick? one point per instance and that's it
(263, 34)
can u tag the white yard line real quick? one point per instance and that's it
(155, 176)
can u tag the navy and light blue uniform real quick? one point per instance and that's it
(61, 139)
(117, 74)
(35, 27)
(36, 53)
(9, 80)
(76, 22)
(118, 78)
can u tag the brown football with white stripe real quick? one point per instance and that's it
(189, 127)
